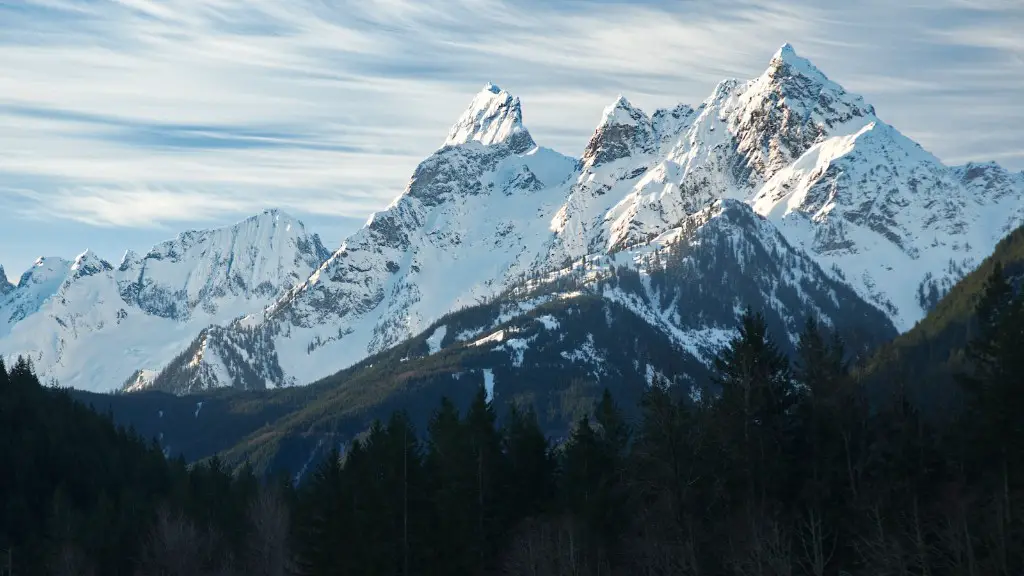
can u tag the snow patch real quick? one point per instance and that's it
(435, 339)
(549, 322)
(495, 337)
(489, 384)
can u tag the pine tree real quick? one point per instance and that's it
(994, 384)
(531, 467)
(322, 515)
(490, 472)
(995, 401)
(755, 408)
(451, 471)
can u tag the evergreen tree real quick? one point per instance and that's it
(323, 515)
(531, 467)
(452, 474)
(489, 474)
(754, 411)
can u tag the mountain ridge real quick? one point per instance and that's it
(443, 242)
(491, 209)
(150, 305)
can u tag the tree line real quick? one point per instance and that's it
(781, 467)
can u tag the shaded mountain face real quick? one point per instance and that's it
(490, 211)
(556, 345)
(63, 315)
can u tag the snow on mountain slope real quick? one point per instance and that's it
(473, 216)
(490, 210)
(136, 317)
(35, 286)
(864, 200)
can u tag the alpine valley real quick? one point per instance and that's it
(503, 260)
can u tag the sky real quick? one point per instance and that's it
(125, 122)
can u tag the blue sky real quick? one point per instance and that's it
(125, 122)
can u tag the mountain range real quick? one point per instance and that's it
(786, 193)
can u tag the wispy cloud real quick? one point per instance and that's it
(144, 113)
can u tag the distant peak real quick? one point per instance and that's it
(45, 267)
(786, 62)
(623, 112)
(130, 257)
(88, 263)
(807, 90)
(84, 256)
(270, 216)
(624, 130)
(493, 117)
(274, 213)
(785, 51)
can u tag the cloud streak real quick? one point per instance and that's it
(138, 113)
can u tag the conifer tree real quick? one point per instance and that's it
(322, 515)
(531, 480)
(754, 410)
(452, 473)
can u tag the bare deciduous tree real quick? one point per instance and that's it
(268, 552)
(177, 548)
(817, 541)
(552, 547)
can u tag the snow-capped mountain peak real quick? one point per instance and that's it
(493, 117)
(88, 263)
(624, 131)
(622, 111)
(793, 82)
(45, 270)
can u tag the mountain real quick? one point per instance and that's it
(555, 348)
(555, 341)
(491, 209)
(62, 314)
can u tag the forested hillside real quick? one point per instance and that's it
(928, 357)
(787, 470)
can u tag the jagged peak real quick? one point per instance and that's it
(786, 62)
(273, 213)
(624, 130)
(88, 263)
(493, 117)
(130, 257)
(797, 78)
(623, 112)
(45, 267)
(85, 258)
(5, 284)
